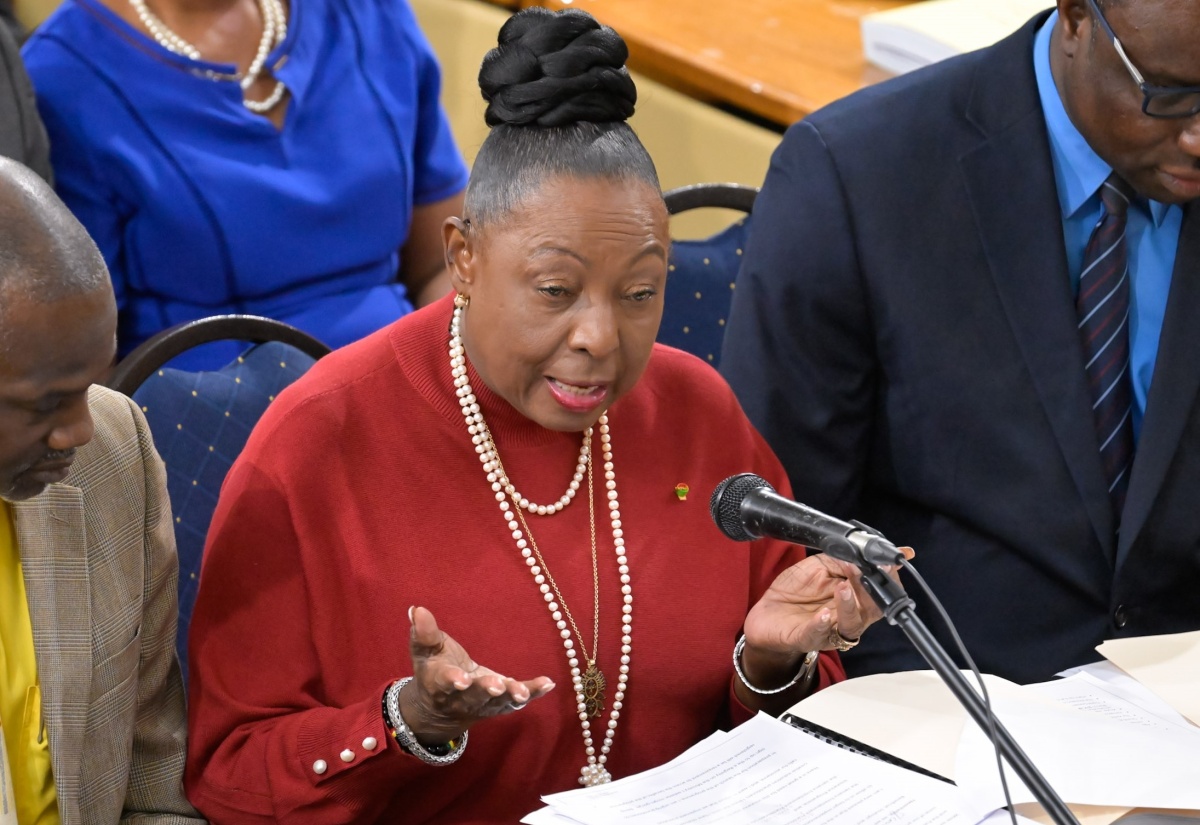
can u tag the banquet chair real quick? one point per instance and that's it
(701, 274)
(200, 420)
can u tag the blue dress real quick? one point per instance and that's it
(201, 207)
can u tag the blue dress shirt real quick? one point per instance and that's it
(1151, 234)
(201, 207)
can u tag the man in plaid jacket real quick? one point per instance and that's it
(91, 702)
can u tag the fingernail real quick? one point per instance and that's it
(845, 594)
(410, 612)
(495, 690)
(461, 685)
(826, 617)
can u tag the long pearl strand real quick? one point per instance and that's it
(594, 772)
(274, 33)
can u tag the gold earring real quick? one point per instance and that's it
(461, 300)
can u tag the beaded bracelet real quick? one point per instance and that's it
(439, 755)
(810, 660)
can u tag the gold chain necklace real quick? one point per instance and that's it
(593, 679)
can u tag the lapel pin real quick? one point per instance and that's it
(681, 491)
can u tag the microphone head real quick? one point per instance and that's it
(726, 503)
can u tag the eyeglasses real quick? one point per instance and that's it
(1157, 101)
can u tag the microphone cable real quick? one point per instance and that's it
(987, 701)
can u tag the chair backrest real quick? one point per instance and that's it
(157, 350)
(702, 273)
(201, 420)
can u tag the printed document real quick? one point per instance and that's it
(765, 772)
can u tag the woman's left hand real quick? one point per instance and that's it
(807, 608)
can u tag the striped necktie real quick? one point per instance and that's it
(1103, 306)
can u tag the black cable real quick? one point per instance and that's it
(987, 702)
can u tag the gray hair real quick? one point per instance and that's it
(515, 160)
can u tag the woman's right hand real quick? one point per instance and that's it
(449, 691)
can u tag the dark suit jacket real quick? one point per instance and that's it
(904, 335)
(22, 135)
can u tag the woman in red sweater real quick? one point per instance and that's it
(523, 463)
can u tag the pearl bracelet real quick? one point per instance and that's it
(404, 736)
(806, 669)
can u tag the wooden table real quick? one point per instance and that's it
(776, 59)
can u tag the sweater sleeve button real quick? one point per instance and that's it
(319, 767)
(347, 755)
(370, 743)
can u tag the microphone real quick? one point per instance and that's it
(746, 507)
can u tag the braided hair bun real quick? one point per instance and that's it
(556, 69)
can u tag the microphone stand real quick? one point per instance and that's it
(899, 610)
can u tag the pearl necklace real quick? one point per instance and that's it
(499, 479)
(588, 683)
(274, 33)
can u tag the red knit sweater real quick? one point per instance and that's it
(360, 494)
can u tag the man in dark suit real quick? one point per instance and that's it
(949, 316)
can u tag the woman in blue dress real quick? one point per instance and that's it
(287, 159)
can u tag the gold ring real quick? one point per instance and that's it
(839, 642)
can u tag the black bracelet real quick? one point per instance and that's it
(441, 749)
(444, 752)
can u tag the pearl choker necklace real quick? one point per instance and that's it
(274, 32)
(588, 682)
(499, 478)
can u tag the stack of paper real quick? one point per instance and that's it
(1168, 665)
(761, 773)
(1092, 744)
(1106, 741)
(907, 38)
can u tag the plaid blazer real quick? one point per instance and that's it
(98, 554)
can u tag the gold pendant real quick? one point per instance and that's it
(593, 690)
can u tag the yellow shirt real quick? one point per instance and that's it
(20, 696)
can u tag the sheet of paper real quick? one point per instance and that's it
(1118, 680)
(1114, 680)
(1167, 665)
(910, 715)
(1108, 699)
(913, 716)
(1087, 757)
(1103, 670)
(1086, 814)
(1147, 817)
(766, 772)
(548, 816)
(1002, 818)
